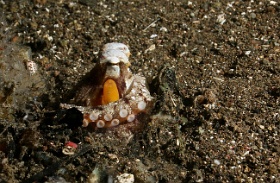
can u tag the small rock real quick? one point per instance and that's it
(163, 29)
(125, 178)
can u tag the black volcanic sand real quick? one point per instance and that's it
(212, 66)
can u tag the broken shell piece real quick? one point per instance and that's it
(69, 148)
(151, 48)
(31, 67)
(115, 122)
(125, 177)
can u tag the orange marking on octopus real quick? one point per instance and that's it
(110, 92)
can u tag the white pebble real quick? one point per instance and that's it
(247, 53)
(217, 162)
(125, 178)
(153, 36)
(273, 2)
(221, 19)
(95, 176)
(163, 29)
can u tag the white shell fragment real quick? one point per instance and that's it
(153, 36)
(31, 67)
(151, 48)
(221, 19)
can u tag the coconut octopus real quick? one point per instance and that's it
(112, 94)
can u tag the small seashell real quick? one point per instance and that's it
(69, 148)
(31, 67)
